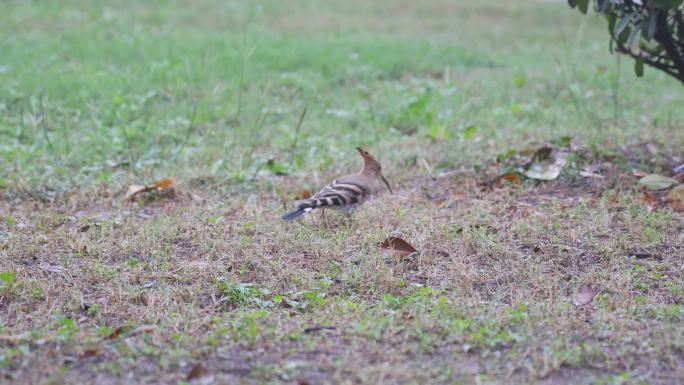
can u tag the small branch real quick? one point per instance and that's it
(663, 36)
(296, 138)
(670, 70)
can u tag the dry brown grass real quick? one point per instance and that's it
(501, 265)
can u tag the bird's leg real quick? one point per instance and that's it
(349, 219)
(325, 219)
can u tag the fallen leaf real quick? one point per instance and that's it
(459, 195)
(584, 295)
(276, 168)
(7, 277)
(197, 371)
(136, 189)
(89, 353)
(543, 166)
(639, 173)
(469, 131)
(162, 184)
(398, 247)
(116, 333)
(512, 177)
(676, 198)
(589, 174)
(656, 182)
(543, 171)
(650, 200)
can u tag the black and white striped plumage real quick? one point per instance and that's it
(345, 193)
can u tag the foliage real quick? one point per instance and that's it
(650, 31)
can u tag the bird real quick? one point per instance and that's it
(345, 193)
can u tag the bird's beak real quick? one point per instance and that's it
(386, 183)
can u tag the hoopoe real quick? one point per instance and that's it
(345, 193)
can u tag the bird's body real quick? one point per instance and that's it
(345, 193)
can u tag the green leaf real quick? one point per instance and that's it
(656, 182)
(611, 27)
(583, 6)
(622, 24)
(632, 38)
(469, 132)
(8, 277)
(624, 36)
(666, 4)
(611, 22)
(639, 67)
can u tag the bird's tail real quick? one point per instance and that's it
(299, 211)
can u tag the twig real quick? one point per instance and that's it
(293, 148)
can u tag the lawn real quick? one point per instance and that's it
(247, 106)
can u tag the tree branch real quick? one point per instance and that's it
(664, 37)
(650, 61)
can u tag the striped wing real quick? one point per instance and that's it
(343, 193)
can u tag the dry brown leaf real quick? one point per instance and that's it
(650, 200)
(136, 189)
(90, 353)
(397, 246)
(116, 333)
(584, 295)
(676, 198)
(198, 371)
(459, 195)
(438, 201)
(164, 183)
(512, 177)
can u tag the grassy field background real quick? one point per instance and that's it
(96, 96)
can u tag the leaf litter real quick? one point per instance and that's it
(546, 164)
(163, 186)
(397, 247)
(657, 182)
(676, 198)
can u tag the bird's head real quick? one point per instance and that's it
(371, 167)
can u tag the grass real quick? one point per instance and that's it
(98, 96)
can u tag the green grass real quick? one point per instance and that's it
(96, 96)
